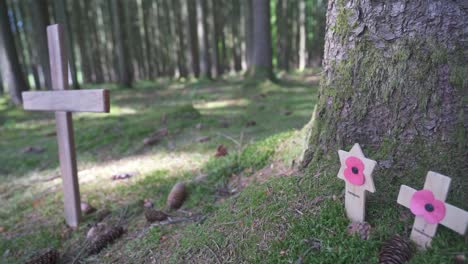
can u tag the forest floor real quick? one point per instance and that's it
(250, 206)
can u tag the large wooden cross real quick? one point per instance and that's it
(356, 170)
(431, 210)
(63, 102)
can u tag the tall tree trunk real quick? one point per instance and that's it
(248, 32)
(302, 35)
(79, 22)
(262, 62)
(40, 18)
(147, 9)
(394, 77)
(62, 18)
(124, 66)
(205, 60)
(9, 63)
(192, 28)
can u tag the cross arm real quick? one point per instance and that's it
(96, 100)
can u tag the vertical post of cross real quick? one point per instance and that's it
(65, 138)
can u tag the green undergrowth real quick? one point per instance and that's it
(31, 211)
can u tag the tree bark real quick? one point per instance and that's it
(9, 63)
(124, 66)
(248, 32)
(192, 30)
(302, 35)
(40, 18)
(262, 58)
(62, 18)
(394, 77)
(205, 60)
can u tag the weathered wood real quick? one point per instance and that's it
(70, 101)
(355, 196)
(455, 218)
(66, 144)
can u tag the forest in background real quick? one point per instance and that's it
(124, 41)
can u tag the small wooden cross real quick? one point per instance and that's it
(356, 171)
(63, 102)
(432, 208)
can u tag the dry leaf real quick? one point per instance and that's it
(33, 150)
(221, 151)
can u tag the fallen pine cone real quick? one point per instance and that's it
(177, 196)
(86, 208)
(396, 250)
(96, 231)
(49, 256)
(153, 215)
(100, 242)
(221, 151)
(360, 229)
(155, 137)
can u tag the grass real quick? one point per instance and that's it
(276, 214)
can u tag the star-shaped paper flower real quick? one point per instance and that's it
(356, 169)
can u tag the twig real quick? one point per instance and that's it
(212, 252)
(230, 138)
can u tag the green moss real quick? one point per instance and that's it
(367, 78)
(341, 26)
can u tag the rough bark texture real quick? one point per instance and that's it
(394, 80)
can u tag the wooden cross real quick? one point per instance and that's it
(63, 102)
(450, 216)
(356, 171)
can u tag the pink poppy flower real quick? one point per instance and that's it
(354, 172)
(423, 203)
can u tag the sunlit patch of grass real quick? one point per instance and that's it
(107, 144)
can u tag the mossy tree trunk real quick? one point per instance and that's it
(395, 81)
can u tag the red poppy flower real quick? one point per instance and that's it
(423, 203)
(354, 172)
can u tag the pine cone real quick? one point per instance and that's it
(153, 215)
(50, 256)
(176, 197)
(395, 251)
(102, 241)
(360, 229)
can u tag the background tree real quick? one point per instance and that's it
(261, 66)
(394, 74)
(9, 63)
(124, 66)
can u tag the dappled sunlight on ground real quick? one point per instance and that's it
(198, 117)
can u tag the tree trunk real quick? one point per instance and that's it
(261, 65)
(205, 62)
(394, 77)
(249, 32)
(192, 28)
(302, 35)
(9, 63)
(40, 18)
(79, 22)
(62, 18)
(124, 66)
